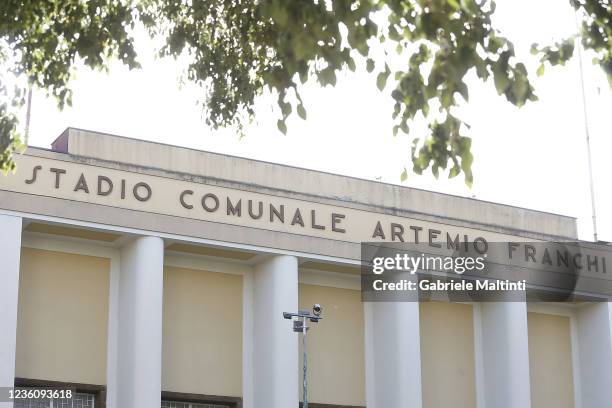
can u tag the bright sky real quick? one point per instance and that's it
(532, 157)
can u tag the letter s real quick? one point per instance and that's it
(34, 174)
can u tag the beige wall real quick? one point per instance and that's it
(202, 332)
(62, 318)
(358, 224)
(550, 361)
(447, 355)
(309, 182)
(336, 346)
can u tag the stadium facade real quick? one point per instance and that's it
(148, 275)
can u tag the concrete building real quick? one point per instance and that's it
(148, 275)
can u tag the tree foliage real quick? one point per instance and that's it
(42, 40)
(236, 49)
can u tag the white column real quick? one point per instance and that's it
(393, 354)
(275, 345)
(505, 354)
(112, 360)
(594, 335)
(247, 340)
(10, 251)
(139, 337)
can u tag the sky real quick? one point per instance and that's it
(533, 157)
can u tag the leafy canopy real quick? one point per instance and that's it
(236, 49)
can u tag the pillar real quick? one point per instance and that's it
(139, 328)
(10, 251)
(505, 354)
(594, 335)
(275, 346)
(393, 354)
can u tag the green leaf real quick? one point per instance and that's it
(351, 65)
(304, 75)
(370, 65)
(301, 111)
(279, 14)
(327, 77)
(285, 108)
(454, 4)
(469, 6)
(469, 178)
(463, 90)
(500, 78)
(540, 70)
(520, 87)
(381, 79)
(280, 124)
(404, 175)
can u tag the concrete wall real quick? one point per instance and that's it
(550, 361)
(297, 182)
(447, 355)
(202, 332)
(164, 214)
(62, 317)
(336, 346)
(358, 225)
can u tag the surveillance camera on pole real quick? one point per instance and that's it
(299, 326)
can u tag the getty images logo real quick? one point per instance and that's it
(412, 264)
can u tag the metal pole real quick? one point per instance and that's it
(28, 111)
(304, 316)
(586, 131)
(305, 380)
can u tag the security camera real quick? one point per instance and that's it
(317, 309)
